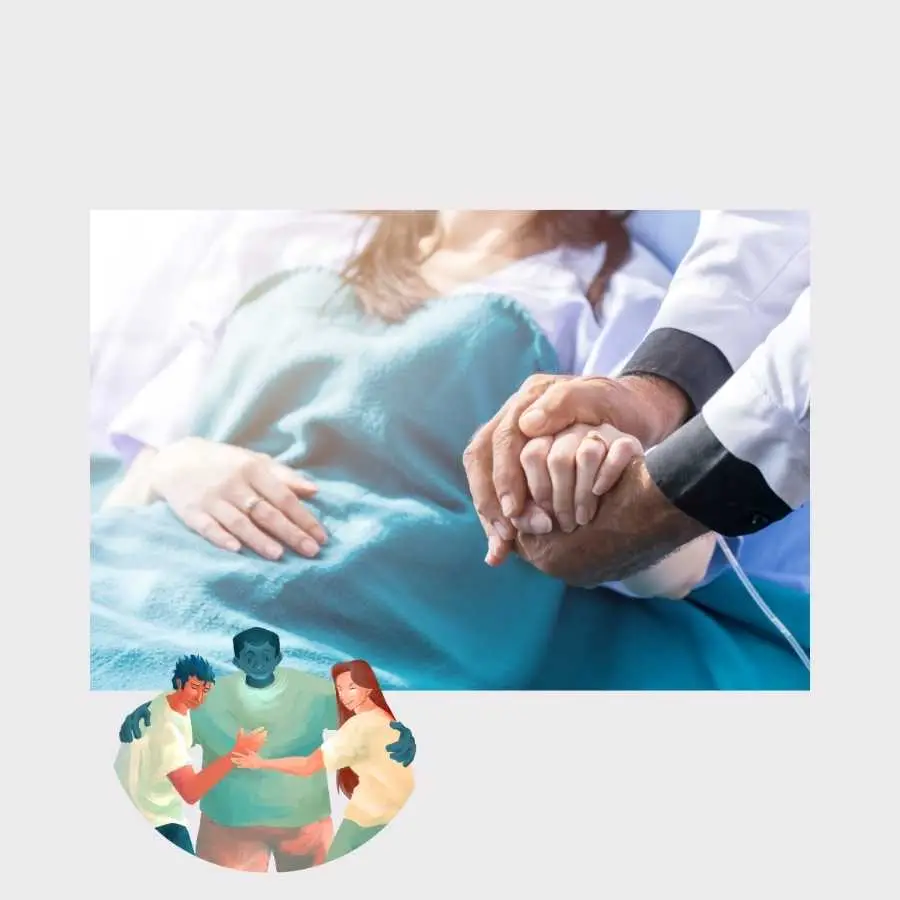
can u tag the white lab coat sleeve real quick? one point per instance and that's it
(738, 281)
(743, 462)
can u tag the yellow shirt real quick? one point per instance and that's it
(384, 785)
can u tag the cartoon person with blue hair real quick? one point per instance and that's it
(156, 770)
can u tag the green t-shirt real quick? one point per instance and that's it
(294, 710)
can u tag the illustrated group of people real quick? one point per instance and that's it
(262, 786)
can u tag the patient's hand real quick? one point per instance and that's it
(234, 497)
(568, 473)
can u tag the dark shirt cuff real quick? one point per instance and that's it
(695, 365)
(699, 476)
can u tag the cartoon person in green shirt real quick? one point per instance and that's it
(376, 784)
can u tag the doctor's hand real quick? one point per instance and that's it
(403, 750)
(234, 497)
(648, 408)
(131, 727)
(568, 473)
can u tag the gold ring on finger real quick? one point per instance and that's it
(250, 505)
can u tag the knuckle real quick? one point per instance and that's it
(294, 533)
(308, 522)
(486, 507)
(208, 498)
(589, 453)
(560, 456)
(231, 518)
(621, 451)
(554, 391)
(505, 437)
(233, 486)
(560, 391)
(533, 452)
(470, 455)
(281, 495)
(541, 554)
(265, 514)
(609, 433)
(251, 466)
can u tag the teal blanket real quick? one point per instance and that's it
(717, 639)
(378, 415)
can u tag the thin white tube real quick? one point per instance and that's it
(757, 597)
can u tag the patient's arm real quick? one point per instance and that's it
(290, 765)
(678, 574)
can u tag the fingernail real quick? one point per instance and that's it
(492, 554)
(274, 552)
(507, 505)
(533, 418)
(319, 535)
(504, 530)
(308, 547)
(598, 488)
(233, 546)
(566, 524)
(539, 522)
(581, 515)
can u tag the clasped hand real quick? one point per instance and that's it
(566, 475)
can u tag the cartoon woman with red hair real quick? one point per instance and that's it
(376, 786)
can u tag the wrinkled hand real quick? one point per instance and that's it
(211, 487)
(249, 760)
(131, 727)
(403, 750)
(249, 742)
(568, 473)
(635, 526)
(545, 405)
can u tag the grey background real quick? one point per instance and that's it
(686, 105)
